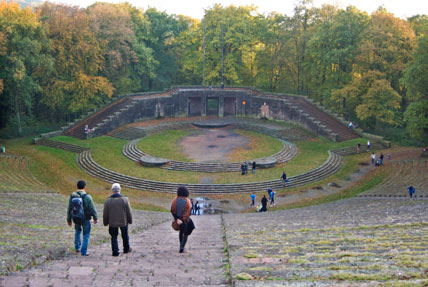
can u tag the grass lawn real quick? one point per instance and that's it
(107, 151)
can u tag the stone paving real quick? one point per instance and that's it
(355, 242)
(154, 261)
(33, 229)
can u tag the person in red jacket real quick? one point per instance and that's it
(180, 209)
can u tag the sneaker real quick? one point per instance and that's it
(115, 254)
(181, 250)
(77, 250)
(87, 254)
(129, 250)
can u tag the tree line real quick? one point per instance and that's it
(59, 61)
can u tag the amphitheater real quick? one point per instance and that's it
(376, 238)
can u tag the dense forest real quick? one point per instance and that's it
(58, 61)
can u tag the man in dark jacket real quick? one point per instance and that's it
(117, 214)
(264, 203)
(89, 211)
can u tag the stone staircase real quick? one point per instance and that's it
(104, 115)
(15, 175)
(332, 123)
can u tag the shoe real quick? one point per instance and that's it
(115, 254)
(78, 250)
(181, 250)
(87, 254)
(129, 250)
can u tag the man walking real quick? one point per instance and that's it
(80, 210)
(117, 214)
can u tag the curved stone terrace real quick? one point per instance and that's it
(330, 167)
(288, 151)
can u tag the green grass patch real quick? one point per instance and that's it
(259, 146)
(165, 145)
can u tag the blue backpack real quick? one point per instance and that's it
(77, 209)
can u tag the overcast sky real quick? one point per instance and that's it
(195, 8)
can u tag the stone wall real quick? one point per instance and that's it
(237, 101)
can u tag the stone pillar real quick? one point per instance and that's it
(203, 105)
(221, 106)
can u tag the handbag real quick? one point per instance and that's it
(175, 225)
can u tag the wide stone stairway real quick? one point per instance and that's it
(154, 261)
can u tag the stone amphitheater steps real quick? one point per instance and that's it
(354, 242)
(333, 163)
(15, 176)
(129, 133)
(78, 131)
(332, 123)
(131, 151)
(61, 145)
(401, 174)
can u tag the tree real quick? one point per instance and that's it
(415, 79)
(370, 98)
(163, 31)
(112, 24)
(230, 31)
(189, 52)
(22, 59)
(387, 46)
(272, 59)
(75, 86)
(333, 50)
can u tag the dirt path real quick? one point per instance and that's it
(154, 261)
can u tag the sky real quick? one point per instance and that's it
(195, 8)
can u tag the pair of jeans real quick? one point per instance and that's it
(114, 232)
(78, 244)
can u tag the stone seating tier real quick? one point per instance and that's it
(16, 175)
(331, 166)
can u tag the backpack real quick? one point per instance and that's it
(77, 209)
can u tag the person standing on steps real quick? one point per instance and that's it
(284, 178)
(272, 197)
(411, 190)
(117, 215)
(192, 210)
(373, 158)
(358, 148)
(369, 144)
(264, 204)
(197, 208)
(180, 209)
(80, 211)
(253, 169)
(381, 159)
(253, 199)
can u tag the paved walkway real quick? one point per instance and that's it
(154, 261)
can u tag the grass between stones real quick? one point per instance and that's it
(382, 253)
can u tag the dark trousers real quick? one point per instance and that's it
(182, 236)
(114, 232)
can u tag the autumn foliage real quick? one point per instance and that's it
(59, 61)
